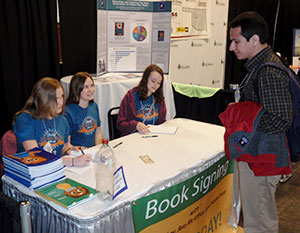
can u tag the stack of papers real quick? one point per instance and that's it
(34, 168)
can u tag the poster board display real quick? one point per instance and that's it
(132, 35)
(296, 50)
(296, 42)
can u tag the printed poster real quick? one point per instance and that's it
(133, 35)
(190, 19)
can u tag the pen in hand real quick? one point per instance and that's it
(81, 150)
(86, 157)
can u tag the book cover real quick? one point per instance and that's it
(35, 162)
(67, 193)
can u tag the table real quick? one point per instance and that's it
(111, 88)
(195, 147)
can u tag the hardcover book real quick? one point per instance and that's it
(67, 193)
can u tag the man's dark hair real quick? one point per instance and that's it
(251, 23)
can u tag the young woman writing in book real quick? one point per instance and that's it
(143, 104)
(40, 122)
(82, 112)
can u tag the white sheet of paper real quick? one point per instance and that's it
(81, 170)
(163, 129)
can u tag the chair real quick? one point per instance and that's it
(112, 117)
(12, 213)
(8, 145)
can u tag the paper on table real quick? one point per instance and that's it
(75, 153)
(91, 151)
(80, 170)
(90, 165)
(162, 129)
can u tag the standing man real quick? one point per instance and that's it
(249, 35)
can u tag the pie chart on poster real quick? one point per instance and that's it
(139, 33)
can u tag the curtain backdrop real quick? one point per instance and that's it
(288, 18)
(78, 23)
(28, 51)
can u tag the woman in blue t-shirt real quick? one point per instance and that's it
(41, 124)
(144, 104)
(82, 112)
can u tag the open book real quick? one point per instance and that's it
(163, 129)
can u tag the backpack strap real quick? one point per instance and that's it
(272, 64)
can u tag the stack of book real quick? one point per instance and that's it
(34, 168)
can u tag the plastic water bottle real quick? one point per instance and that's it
(105, 166)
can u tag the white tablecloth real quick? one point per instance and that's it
(195, 146)
(111, 88)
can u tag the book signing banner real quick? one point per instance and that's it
(199, 204)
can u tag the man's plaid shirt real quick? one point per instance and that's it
(273, 90)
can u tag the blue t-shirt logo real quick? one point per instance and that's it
(88, 126)
(53, 137)
(143, 110)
